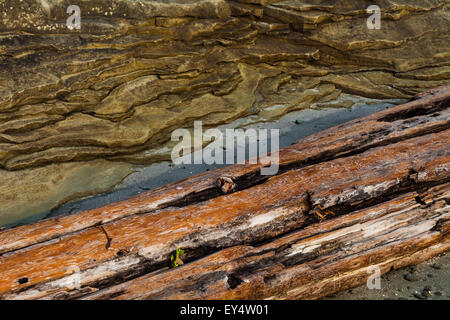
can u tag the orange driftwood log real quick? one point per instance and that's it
(382, 181)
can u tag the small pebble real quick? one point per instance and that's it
(436, 266)
(411, 277)
(418, 296)
(426, 294)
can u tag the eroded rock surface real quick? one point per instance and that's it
(109, 95)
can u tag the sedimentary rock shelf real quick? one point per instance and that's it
(373, 192)
(81, 109)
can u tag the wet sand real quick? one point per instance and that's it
(427, 281)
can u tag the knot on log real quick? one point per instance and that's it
(226, 185)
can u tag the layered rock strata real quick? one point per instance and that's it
(80, 109)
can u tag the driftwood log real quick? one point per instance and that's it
(385, 178)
